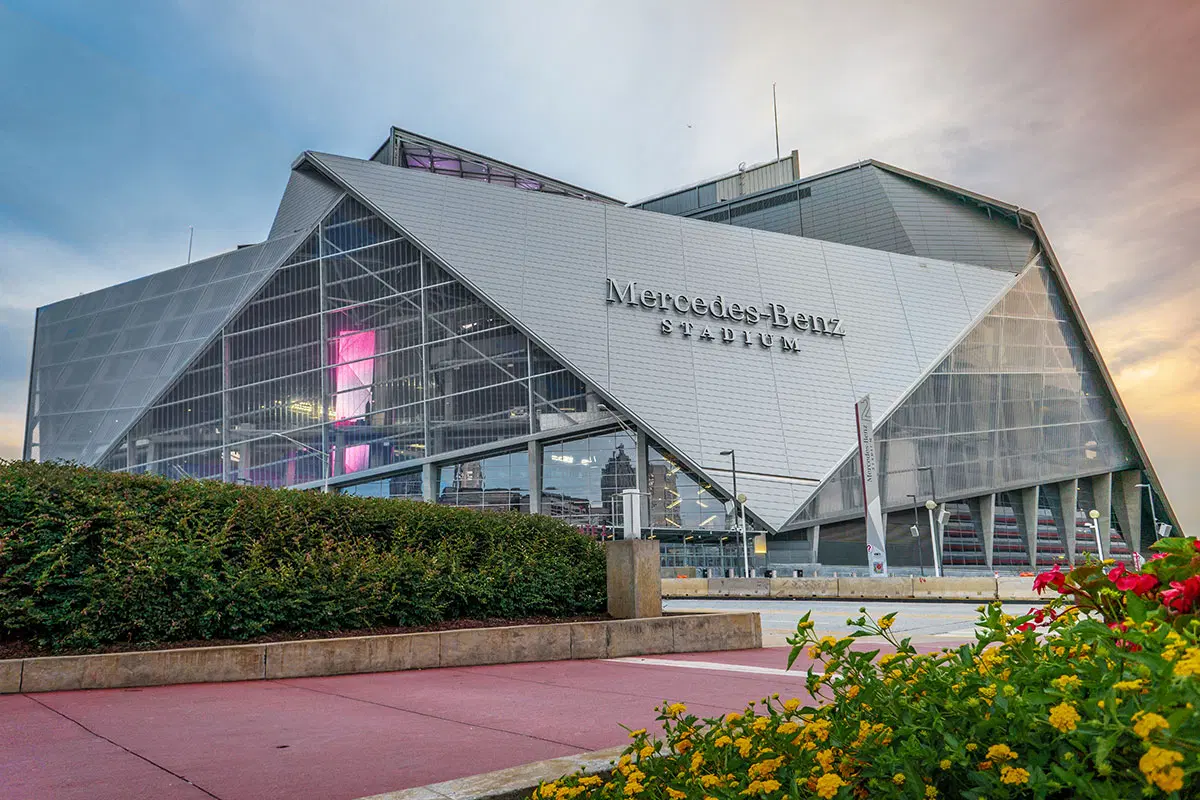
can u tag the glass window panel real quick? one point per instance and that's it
(582, 480)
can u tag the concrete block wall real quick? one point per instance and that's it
(841, 588)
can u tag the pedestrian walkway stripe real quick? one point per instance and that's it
(711, 665)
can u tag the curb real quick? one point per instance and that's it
(852, 588)
(465, 647)
(511, 783)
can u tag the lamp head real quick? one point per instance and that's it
(741, 498)
(1094, 514)
(929, 504)
(726, 452)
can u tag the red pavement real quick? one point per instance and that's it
(352, 735)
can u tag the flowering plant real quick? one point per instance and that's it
(1093, 695)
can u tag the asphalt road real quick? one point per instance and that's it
(923, 621)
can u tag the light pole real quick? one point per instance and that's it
(934, 539)
(311, 449)
(739, 504)
(1153, 516)
(1095, 515)
(916, 532)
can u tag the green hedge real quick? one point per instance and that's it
(91, 558)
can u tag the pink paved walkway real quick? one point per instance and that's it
(347, 736)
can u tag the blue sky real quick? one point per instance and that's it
(121, 124)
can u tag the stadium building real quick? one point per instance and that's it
(435, 324)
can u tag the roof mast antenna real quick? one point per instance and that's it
(191, 230)
(775, 107)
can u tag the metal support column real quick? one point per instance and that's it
(429, 488)
(226, 463)
(1127, 502)
(1102, 497)
(815, 537)
(1068, 501)
(643, 475)
(535, 477)
(328, 462)
(1027, 521)
(983, 515)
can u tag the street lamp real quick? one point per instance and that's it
(1153, 516)
(311, 449)
(916, 532)
(934, 539)
(739, 502)
(1095, 515)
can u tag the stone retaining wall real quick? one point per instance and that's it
(891, 588)
(674, 633)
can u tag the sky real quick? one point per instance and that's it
(124, 123)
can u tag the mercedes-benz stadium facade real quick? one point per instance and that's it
(435, 324)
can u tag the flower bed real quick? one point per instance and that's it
(1092, 696)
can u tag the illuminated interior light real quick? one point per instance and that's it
(670, 521)
(707, 521)
(672, 505)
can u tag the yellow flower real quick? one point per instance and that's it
(931, 792)
(1066, 683)
(1014, 775)
(944, 763)
(1146, 723)
(732, 716)
(1189, 665)
(1000, 752)
(1064, 716)
(819, 729)
(761, 787)
(898, 779)
(682, 746)
(791, 705)
(547, 790)
(805, 625)
(637, 733)
(825, 759)
(971, 747)
(675, 709)
(744, 745)
(987, 691)
(675, 794)
(624, 761)
(722, 741)
(787, 728)
(1129, 686)
(765, 769)
(828, 641)
(828, 785)
(1099, 704)
(697, 761)
(886, 623)
(646, 751)
(632, 788)
(985, 765)
(709, 781)
(1158, 764)
(853, 691)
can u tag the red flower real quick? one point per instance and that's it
(1157, 556)
(1053, 578)
(1183, 594)
(1025, 626)
(1141, 585)
(1116, 572)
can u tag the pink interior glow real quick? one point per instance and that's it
(352, 381)
(358, 456)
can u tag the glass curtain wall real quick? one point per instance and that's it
(359, 353)
(582, 480)
(1017, 403)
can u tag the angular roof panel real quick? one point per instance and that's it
(546, 261)
(101, 357)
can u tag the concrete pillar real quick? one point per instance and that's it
(1027, 521)
(429, 487)
(1102, 496)
(634, 580)
(1127, 502)
(535, 477)
(983, 515)
(1064, 515)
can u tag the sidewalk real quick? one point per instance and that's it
(344, 737)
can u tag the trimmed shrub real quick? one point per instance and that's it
(1096, 695)
(91, 558)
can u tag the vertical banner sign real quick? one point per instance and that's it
(869, 467)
